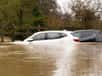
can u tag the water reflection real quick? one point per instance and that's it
(83, 59)
(88, 60)
(16, 61)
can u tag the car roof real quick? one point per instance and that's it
(89, 30)
(63, 31)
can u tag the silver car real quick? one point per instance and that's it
(88, 35)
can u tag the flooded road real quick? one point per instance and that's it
(82, 59)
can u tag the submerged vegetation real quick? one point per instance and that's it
(20, 18)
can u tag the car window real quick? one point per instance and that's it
(40, 36)
(86, 34)
(83, 34)
(55, 35)
(76, 34)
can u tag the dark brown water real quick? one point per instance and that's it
(85, 59)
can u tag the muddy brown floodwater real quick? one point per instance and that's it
(82, 59)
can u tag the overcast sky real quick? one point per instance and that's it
(63, 6)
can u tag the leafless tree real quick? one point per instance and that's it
(87, 11)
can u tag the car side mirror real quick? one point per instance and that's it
(30, 40)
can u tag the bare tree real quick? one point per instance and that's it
(87, 11)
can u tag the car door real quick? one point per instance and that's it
(88, 36)
(54, 38)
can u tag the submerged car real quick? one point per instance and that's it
(52, 37)
(63, 37)
(88, 35)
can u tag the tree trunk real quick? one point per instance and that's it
(2, 38)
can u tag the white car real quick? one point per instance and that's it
(51, 38)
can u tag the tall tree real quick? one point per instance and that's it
(7, 16)
(85, 11)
